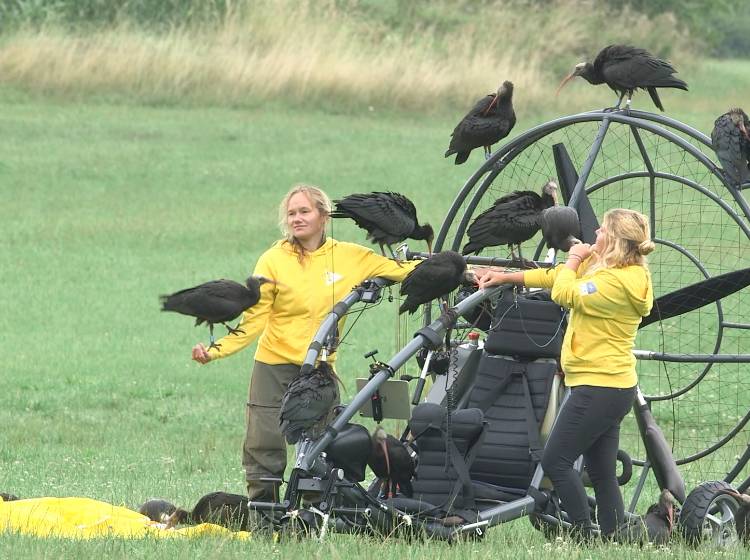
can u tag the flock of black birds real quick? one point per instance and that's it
(390, 218)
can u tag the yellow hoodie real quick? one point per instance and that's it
(288, 315)
(606, 308)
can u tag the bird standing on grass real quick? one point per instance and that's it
(489, 121)
(655, 527)
(625, 69)
(392, 463)
(388, 217)
(307, 402)
(512, 219)
(742, 518)
(730, 139)
(432, 278)
(217, 301)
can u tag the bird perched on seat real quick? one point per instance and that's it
(730, 139)
(654, 527)
(217, 301)
(221, 508)
(157, 509)
(392, 463)
(432, 278)
(511, 220)
(561, 228)
(307, 402)
(489, 121)
(625, 69)
(387, 217)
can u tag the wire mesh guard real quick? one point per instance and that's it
(664, 169)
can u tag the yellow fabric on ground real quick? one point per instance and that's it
(86, 518)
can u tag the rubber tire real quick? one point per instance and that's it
(702, 501)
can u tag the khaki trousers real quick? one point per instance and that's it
(264, 450)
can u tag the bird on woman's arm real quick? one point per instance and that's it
(217, 301)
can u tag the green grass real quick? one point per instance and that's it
(104, 207)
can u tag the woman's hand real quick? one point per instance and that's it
(200, 354)
(581, 250)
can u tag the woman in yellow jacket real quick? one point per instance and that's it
(313, 273)
(608, 289)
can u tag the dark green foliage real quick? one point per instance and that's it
(721, 24)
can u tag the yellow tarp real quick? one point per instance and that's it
(85, 518)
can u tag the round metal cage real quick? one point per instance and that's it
(701, 225)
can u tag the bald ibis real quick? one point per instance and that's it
(489, 121)
(655, 527)
(432, 278)
(221, 508)
(742, 518)
(625, 69)
(388, 217)
(307, 402)
(392, 463)
(730, 139)
(560, 226)
(511, 220)
(157, 509)
(217, 301)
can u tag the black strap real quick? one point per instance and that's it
(489, 399)
(463, 478)
(532, 425)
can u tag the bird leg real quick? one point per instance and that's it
(487, 152)
(393, 256)
(211, 337)
(231, 330)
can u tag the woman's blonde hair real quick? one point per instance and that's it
(317, 197)
(628, 240)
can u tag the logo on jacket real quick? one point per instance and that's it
(332, 277)
(588, 288)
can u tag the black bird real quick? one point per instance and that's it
(388, 217)
(560, 226)
(512, 219)
(307, 402)
(221, 508)
(489, 121)
(742, 518)
(655, 527)
(392, 463)
(217, 301)
(730, 139)
(8, 497)
(625, 69)
(432, 278)
(157, 510)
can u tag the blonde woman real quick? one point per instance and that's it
(314, 273)
(607, 287)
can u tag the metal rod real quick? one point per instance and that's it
(693, 358)
(589, 163)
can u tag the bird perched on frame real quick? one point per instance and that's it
(307, 402)
(730, 139)
(489, 121)
(561, 228)
(217, 301)
(625, 69)
(432, 278)
(387, 217)
(392, 462)
(511, 220)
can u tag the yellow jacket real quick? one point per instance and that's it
(606, 309)
(288, 315)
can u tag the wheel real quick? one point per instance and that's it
(708, 514)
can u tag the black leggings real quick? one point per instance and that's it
(589, 425)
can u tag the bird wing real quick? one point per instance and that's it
(307, 402)
(216, 301)
(380, 214)
(513, 219)
(631, 68)
(432, 278)
(729, 145)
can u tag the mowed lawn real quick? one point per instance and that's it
(104, 207)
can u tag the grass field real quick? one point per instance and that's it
(108, 204)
